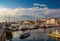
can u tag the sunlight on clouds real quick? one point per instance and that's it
(37, 12)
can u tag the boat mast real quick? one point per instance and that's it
(14, 17)
(9, 18)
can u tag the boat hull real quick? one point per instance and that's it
(55, 36)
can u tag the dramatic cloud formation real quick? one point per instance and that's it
(40, 11)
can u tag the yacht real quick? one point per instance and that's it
(55, 34)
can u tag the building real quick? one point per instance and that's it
(43, 21)
(53, 21)
(37, 21)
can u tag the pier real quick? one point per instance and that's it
(2, 35)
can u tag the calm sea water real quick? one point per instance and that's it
(38, 40)
(39, 35)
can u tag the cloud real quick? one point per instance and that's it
(43, 5)
(19, 12)
(39, 5)
(36, 4)
(28, 13)
(54, 13)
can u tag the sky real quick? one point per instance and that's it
(28, 9)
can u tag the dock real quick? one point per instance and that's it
(2, 35)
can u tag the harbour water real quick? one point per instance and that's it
(36, 35)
